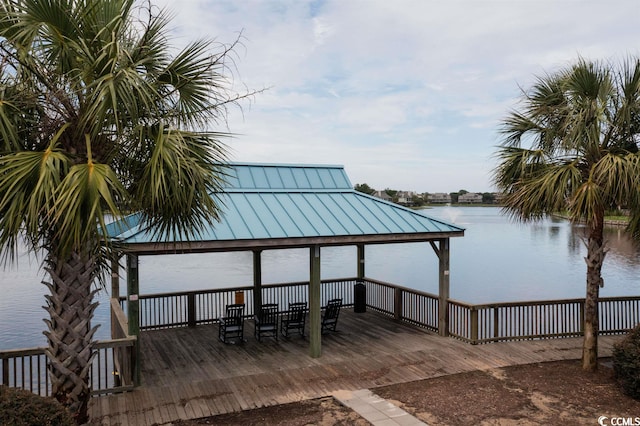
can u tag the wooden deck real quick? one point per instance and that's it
(188, 373)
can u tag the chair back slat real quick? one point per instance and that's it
(268, 313)
(295, 318)
(235, 310)
(330, 317)
(231, 326)
(266, 321)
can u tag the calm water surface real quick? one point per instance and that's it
(497, 260)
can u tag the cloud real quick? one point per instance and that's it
(406, 94)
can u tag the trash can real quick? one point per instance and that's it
(359, 298)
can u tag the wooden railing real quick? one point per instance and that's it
(618, 314)
(123, 353)
(475, 324)
(538, 319)
(115, 360)
(190, 308)
(495, 322)
(26, 369)
(111, 367)
(515, 321)
(403, 304)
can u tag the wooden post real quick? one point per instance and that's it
(360, 262)
(115, 292)
(397, 304)
(474, 325)
(257, 281)
(115, 278)
(581, 325)
(191, 309)
(315, 332)
(133, 310)
(443, 288)
(5, 371)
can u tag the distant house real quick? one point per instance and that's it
(382, 195)
(439, 198)
(497, 197)
(406, 197)
(470, 198)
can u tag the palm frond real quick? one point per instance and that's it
(105, 70)
(588, 203)
(191, 77)
(619, 177)
(543, 191)
(573, 144)
(28, 182)
(177, 188)
(88, 194)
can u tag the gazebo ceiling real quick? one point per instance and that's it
(268, 206)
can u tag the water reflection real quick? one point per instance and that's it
(497, 260)
(503, 260)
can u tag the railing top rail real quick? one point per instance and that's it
(394, 286)
(518, 303)
(539, 302)
(115, 343)
(16, 353)
(618, 298)
(225, 289)
(98, 344)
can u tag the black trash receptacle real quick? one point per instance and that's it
(359, 298)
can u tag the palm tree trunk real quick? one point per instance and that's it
(69, 332)
(595, 258)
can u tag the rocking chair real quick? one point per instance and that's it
(330, 317)
(266, 322)
(231, 326)
(295, 319)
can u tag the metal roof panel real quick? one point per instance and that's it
(296, 201)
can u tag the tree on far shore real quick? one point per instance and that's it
(364, 188)
(100, 116)
(573, 146)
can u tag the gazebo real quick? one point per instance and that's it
(283, 206)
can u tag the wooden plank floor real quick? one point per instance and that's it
(188, 373)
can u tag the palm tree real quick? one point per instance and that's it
(580, 129)
(100, 116)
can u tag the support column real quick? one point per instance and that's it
(133, 310)
(315, 332)
(443, 288)
(115, 291)
(115, 278)
(257, 281)
(361, 270)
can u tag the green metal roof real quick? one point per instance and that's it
(284, 205)
(264, 177)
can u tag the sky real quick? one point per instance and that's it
(405, 94)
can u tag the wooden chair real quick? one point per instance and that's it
(231, 326)
(266, 322)
(330, 317)
(295, 319)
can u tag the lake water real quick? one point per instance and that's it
(497, 260)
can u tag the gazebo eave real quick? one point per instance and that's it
(178, 247)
